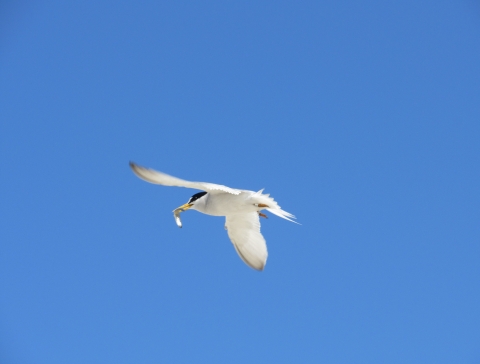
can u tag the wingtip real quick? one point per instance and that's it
(257, 268)
(135, 167)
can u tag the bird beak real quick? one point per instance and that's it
(183, 207)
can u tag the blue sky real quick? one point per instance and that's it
(361, 118)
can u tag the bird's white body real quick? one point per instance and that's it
(224, 204)
(240, 207)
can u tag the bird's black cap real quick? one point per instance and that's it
(197, 196)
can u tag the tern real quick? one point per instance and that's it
(241, 208)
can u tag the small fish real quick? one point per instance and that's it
(176, 214)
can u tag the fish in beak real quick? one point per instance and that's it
(178, 210)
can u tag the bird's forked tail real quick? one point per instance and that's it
(273, 206)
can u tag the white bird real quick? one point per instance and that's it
(242, 209)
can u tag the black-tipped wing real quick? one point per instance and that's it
(159, 178)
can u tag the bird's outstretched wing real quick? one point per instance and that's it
(159, 178)
(244, 232)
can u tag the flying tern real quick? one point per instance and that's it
(242, 209)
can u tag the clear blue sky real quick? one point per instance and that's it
(361, 118)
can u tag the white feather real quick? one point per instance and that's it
(159, 178)
(244, 232)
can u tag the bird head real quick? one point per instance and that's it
(195, 199)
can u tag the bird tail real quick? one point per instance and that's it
(283, 214)
(273, 206)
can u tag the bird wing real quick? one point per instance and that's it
(244, 232)
(159, 178)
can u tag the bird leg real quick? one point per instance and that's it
(262, 215)
(261, 205)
